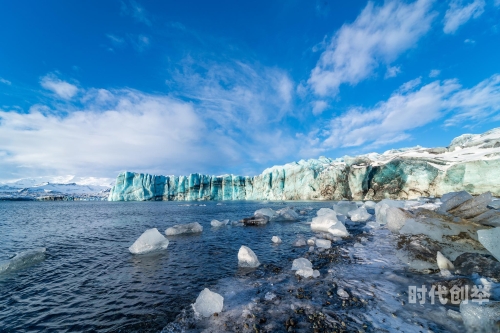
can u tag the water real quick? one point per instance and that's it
(90, 282)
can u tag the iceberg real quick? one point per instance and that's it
(443, 262)
(150, 240)
(382, 207)
(287, 214)
(208, 303)
(395, 218)
(247, 258)
(179, 229)
(23, 260)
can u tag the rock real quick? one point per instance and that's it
(489, 238)
(395, 218)
(301, 263)
(483, 318)
(217, 224)
(443, 262)
(323, 243)
(489, 218)
(276, 240)
(470, 263)
(359, 215)
(189, 228)
(255, 220)
(266, 212)
(208, 303)
(472, 207)
(452, 200)
(150, 240)
(344, 207)
(495, 204)
(247, 258)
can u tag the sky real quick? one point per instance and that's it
(93, 88)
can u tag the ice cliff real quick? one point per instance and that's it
(471, 162)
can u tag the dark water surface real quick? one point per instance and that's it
(90, 282)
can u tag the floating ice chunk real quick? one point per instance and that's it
(306, 272)
(359, 215)
(189, 228)
(481, 318)
(287, 214)
(299, 242)
(323, 243)
(256, 220)
(276, 240)
(265, 211)
(270, 296)
(150, 240)
(326, 211)
(316, 273)
(341, 218)
(338, 230)
(311, 241)
(344, 207)
(217, 224)
(342, 293)
(370, 204)
(323, 222)
(301, 263)
(23, 260)
(208, 303)
(489, 238)
(381, 209)
(219, 204)
(247, 258)
(443, 262)
(395, 219)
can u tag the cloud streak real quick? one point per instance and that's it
(63, 89)
(378, 36)
(458, 14)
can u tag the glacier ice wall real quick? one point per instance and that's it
(471, 163)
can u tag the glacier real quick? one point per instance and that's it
(471, 162)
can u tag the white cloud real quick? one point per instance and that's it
(4, 81)
(469, 41)
(118, 41)
(319, 107)
(135, 10)
(411, 107)
(61, 88)
(228, 116)
(140, 42)
(497, 2)
(478, 104)
(378, 35)
(392, 71)
(434, 73)
(459, 13)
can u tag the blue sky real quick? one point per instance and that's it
(92, 88)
